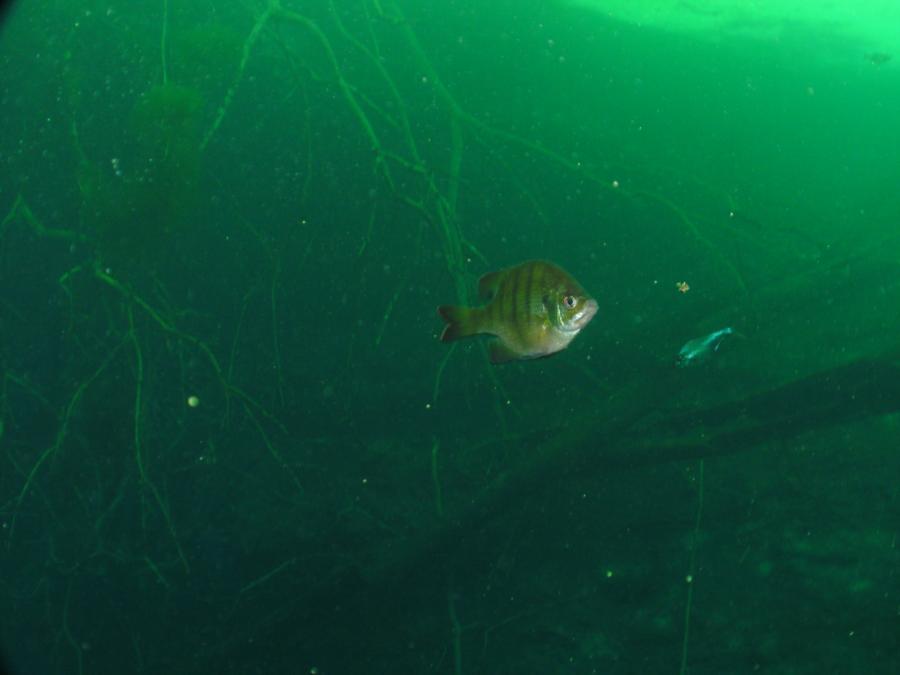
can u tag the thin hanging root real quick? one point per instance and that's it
(344, 86)
(20, 209)
(378, 63)
(692, 570)
(138, 447)
(455, 632)
(271, 448)
(233, 354)
(75, 644)
(154, 569)
(387, 312)
(435, 478)
(499, 392)
(440, 372)
(250, 404)
(444, 212)
(268, 575)
(275, 343)
(368, 237)
(162, 42)
(271, 8)
(58, 441)
(165, 324)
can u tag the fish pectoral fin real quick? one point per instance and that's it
(488, 285)
(500, 353)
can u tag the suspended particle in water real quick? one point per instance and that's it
(193, 401)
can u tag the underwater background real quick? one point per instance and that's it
(231, 441)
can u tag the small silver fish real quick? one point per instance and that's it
(700, 349)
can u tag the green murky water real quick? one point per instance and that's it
(231, 441)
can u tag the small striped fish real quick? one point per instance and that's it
(534, 309)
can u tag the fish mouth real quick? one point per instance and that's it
(583, 318)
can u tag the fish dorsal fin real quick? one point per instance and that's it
(488, 285)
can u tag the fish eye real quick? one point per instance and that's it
(569, 301)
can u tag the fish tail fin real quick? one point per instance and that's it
(461, 322)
